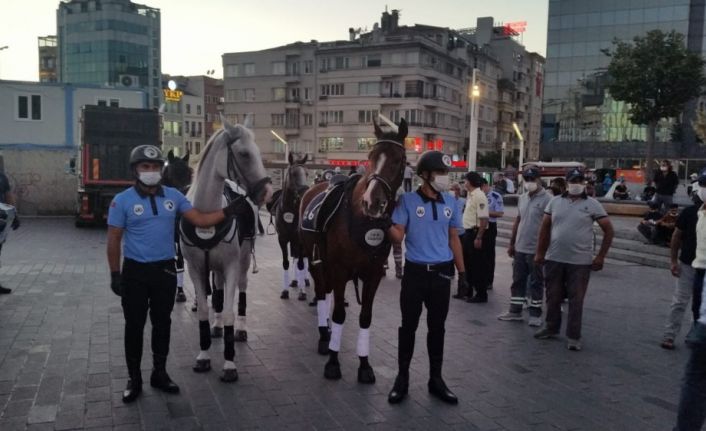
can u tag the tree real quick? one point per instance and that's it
(656, 75)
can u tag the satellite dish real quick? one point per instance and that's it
(172, 85)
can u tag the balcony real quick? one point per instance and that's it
(291, 130)
(292, 78)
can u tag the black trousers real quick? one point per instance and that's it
(698, 291)
(408, 184)
(477, 261)
(147, 286)
(431, 289)
(492, 240)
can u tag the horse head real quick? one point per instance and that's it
(176, 172)
(244, 162)
(387, 161)
(295, 178)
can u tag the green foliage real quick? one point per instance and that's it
(655, 74)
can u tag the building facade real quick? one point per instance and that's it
(581, 120)
(110, 43)
(41, 136)
(322, 97)
(48, 58)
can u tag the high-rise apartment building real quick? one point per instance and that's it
(581, 120)
(48, 53)
(110, 42)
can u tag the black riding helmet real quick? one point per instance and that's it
(146, 153)
(431, 161)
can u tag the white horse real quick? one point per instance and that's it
(231, 153)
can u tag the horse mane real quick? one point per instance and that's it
(206, 150)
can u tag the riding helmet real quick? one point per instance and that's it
(431, 161)
(146, 153)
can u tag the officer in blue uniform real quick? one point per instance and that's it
(428, 221)
(496, 209)
(142, 218)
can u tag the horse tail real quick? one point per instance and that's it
(206, 273)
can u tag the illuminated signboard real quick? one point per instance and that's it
(172, 95)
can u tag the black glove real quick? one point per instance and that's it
(116, 283)
(15, 223)
(462, 283)
(238, 206)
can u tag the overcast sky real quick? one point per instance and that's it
(195, 33)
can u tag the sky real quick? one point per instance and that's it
(196, 33)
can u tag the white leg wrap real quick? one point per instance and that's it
(229, 365)
(203, 355)
(329, 299)
(285, 281)
(240, 323)
(322, 312)
(363, 348)
(300, 280)
(180, 279)
(218, 320)
(335, 343)
(306, 265)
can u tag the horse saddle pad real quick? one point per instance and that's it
(207, 238)
(321, 210)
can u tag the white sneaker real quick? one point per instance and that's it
(574, 345)
(535, 321)
(510, 316)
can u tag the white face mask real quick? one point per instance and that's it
(575, 189)
(150, 178)
(702, 194)
(531, 186)
(440, 183)
(663, 168)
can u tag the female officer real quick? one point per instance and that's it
(428, 220)
(142, 219)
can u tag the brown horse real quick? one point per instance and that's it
(354, 245)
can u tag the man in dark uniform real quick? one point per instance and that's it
(142, 219)
(428, 221)
(496, 209)
(7, 197)
(476, 240)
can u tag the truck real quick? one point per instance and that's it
(108, 135)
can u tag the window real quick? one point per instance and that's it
(307, 93)
(114, 103)
(278, 119)
(332, 90)
(102, 102)
(293, 95)
(366, 144)
(278, 67)
(199, 129)
(198, 147)
(293, 68)
(291, 119)
(397, 58)
(186, 127)
(308, 119)
(232, 70)
(330, 144)
(198, 109)
(369, 89)
(342, 62)
(249, 69)
(277, 146)
(278, 93)
(374, 60)
(249, 94)
(188, 108)
(29, 107)
(367, 117)
(308, 66)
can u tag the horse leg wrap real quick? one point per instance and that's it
(229, 343)
(285, 281)
(180, 279)
(363, 347)
(242, 303)
(300, 279)
(322, 311)
(329, 298)
(204, 335)
(335, 344)
(217, 320)
(217, 299)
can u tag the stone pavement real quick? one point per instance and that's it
(62, 367)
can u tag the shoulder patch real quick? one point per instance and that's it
(448, 212)
(481, 205)
(420, 211)
(169, 205)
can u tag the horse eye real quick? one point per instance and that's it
(244, 154)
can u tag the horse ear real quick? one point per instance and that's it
(290, 159)
(186, 157)
(378, 131)
(306, 157)
(170, 156)
(232, 131)
(403, 130)
(247, 122)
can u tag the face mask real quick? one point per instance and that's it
(576, 189)
(150, 178)
(531, 186)
(702, 194)
(663, 168)
(440, 183)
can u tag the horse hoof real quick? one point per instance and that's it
(229, 376)
(302, 296)
(194, 308)
(284, 295)
(323, 347)
(202, 366)
(366, 375)
(293, 283)
(332, 371)
(217, 332)
(241, 336)
(180, 297)
(306, 282)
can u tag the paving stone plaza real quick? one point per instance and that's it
(62, 364)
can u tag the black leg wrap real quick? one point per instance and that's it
(242, 303)
(217, 300)
(204, 335)
(228, 343)
(285, 265)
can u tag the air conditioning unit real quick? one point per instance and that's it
(129, 81)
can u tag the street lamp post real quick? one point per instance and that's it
(473, 127)
(522, 145)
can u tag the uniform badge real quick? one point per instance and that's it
(446, 160)
(420, 212)
(447, 212)
(169, 205)
(205, 232)
(151, 153)
(374, 237)
(288, 217)
(138, 209)
(481, 206)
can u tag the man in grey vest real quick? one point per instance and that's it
(523, 245)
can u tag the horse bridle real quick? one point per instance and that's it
(233, 168)
(299, 192)
(385, 183)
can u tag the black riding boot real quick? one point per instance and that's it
(437, 386)
(160, 379)
(134, 384)
(404, 358)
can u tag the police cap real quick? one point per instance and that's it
(574, 173)
(431, 161)
(146, 153)
(530, 173)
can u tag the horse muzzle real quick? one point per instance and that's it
(261, 191)
(376, 209)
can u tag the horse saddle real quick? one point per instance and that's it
(321, 210)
